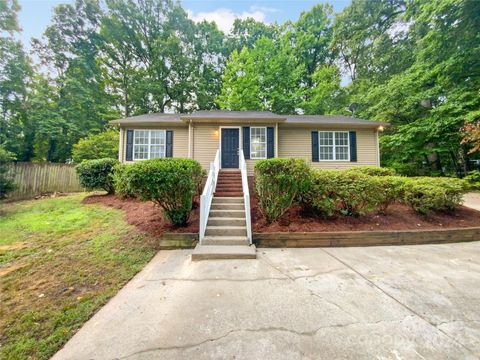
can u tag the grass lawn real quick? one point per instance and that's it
(60, 261)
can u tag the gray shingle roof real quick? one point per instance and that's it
(330, 120)
(228, 114)
(149, 118)
(248, 115)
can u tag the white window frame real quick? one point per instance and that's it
(266, 141)
(149, 144)
(334, 145)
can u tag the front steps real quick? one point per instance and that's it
(229, 184)
(226, 233)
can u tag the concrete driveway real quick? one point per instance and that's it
(408, 302)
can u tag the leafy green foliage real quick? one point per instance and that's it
(97, 174)
(96, 146)
(278, 183)
(320, 195)
(426, 195)
(6, 184)
(374, 170)
(473, 179)
(169, 182)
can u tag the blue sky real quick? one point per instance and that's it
(35, 14)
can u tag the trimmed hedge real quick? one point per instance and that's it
(426, 195)
(353, 193)
(373, 170)
(171, 183)
(97, 174)
(278, 183)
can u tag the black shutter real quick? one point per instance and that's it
(246, 142)
(270, 143)
(129, 146)
(353, 145)
(315, 146)
(169, 148)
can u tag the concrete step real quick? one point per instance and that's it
(227, 207)
(227, 213)
(225, 221)
(228, 194)
(225, 240)
(211, 252)
(227, 230)
(228, 200)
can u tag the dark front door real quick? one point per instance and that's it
(230, 144)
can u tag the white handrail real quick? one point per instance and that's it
(207, 194)
(246, 195)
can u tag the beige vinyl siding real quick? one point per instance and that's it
(180, 140)
(205, 143)
(297, 142)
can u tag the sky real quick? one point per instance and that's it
(35, 15)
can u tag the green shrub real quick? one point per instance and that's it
(96, 146)
(278, 182)
(358, 194)
(391, 190)
(6, 184)
(121, 181)
(321, 193)
(169, 182)
(426, 194)
(473, 179)
(374, 170)
(97, 174)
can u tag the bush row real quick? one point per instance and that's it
(280, 183)
(170, 183)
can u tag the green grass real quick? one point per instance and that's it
(60, 261)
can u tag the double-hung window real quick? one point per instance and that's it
(258, 143)
(148, 144)
(333, 146)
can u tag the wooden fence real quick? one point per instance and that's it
(32, 179)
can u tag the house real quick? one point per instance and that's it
(330, 141)
(227, 143)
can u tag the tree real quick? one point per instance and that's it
(326, 95)
(266, 77)
(96, 146)
(6, 184)
(15, 71)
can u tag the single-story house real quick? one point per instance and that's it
(324, 141)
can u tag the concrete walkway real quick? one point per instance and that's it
(408, 302)
(472, 200)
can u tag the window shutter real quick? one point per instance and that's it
(270, 143)
(169, 144)
(246, 142)
(353, 145)
(315, 146)
(129, 146)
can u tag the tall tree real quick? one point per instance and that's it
(15, 70)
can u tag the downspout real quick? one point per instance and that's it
(190, 139)
(121, 145)
(377, 147)
(276, 139)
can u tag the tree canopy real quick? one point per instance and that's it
(414, 64)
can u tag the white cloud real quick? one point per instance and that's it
(224, 18)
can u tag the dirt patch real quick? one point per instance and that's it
(397, 217)
(146, 216)
(7, 270)
(15, 246)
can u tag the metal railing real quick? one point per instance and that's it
(207, 194)
(246, 195)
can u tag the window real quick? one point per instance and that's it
(148, 144)
(258, 143)
(333, 145)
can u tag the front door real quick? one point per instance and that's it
(230, 146)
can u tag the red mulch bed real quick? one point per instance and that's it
(397, 217)
(146, 216)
